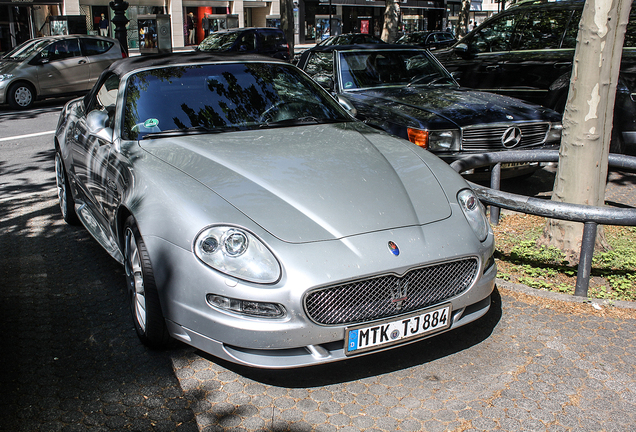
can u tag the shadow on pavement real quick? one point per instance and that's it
(70, 356)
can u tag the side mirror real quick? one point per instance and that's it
(347, 106)
(37, 61)
(461, 50)
(96, 122)
(325, 82)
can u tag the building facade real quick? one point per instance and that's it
(315, 20)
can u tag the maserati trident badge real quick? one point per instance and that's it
(399, 293)
(395, 250)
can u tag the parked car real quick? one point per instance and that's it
(350, 39)
(54, 66)
(405, 91)
(431, 40)
(344, 39)
(527, 52)
(269, 41)
(259, 222)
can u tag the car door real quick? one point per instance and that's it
(247, 43)
(100, 54)
(62, 68)
(475, 62)
(90, 152)
(542, 51)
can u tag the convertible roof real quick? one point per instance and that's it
(364, 47)
(123, 66)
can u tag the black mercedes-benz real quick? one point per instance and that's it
(405, 91)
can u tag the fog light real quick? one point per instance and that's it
(245, 307)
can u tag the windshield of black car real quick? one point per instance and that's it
(224, 97)
(25, 50)
(219, 41)
(367, 68)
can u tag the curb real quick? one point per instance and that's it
(564, 297)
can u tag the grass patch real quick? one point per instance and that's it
(520, 260)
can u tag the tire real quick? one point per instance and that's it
(64, 195)
(21, 96)
(145, 307)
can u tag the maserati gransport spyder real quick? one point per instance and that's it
(258, 221)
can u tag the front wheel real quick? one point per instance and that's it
(20, 96)
(64, 195)
(144, 297)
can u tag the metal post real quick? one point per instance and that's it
(495, 183)
(119, 20)
(585, 261)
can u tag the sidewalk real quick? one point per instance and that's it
(71, 360)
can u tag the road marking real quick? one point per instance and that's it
(26, 136)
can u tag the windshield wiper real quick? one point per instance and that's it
(194, 130)
(300, 121)
(435, 80)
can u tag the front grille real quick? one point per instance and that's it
(371, 299)
(488, 138)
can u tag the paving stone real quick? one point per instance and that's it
(72, 362)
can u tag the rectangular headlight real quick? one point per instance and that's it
(443, 140)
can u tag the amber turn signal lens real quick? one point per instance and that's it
(418, 137)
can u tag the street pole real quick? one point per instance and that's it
(119, 20)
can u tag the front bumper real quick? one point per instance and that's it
(295, 340)
(307, 355)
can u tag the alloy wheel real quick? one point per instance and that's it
(135, 278)
(60, 178)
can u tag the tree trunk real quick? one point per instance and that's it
(587, 120)
(287, 23)
(464, 14)
(391, 21)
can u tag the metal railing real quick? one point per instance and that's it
(590, 216)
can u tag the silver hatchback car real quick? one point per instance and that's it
(54, 66)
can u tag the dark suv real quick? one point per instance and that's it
(269, 41)
(527, 52)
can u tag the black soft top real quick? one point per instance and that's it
(123, 66)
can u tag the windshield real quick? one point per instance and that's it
(363, 69)
(224, 97)
(219, 41)
(25, 50)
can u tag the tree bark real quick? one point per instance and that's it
(464, 14)
(391, 21)
(287, 23)
(587, 120)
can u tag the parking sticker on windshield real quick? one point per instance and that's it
(348, 84)
(151, 123)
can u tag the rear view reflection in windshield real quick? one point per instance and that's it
(222, 97)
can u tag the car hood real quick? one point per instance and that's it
(312, 183)
(460, 106)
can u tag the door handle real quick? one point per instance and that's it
(562, 64)
(81, 61)
(492, 67)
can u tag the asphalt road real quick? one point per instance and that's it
(70, 359)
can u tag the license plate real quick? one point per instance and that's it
(390, 332)
(515, 164)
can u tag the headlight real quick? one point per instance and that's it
(474, 213)
(5, 77)
(237, 252)
(554, 135)
(443, 140)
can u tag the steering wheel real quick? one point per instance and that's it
(271, 113)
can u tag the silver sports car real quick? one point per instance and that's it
(259, 222)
